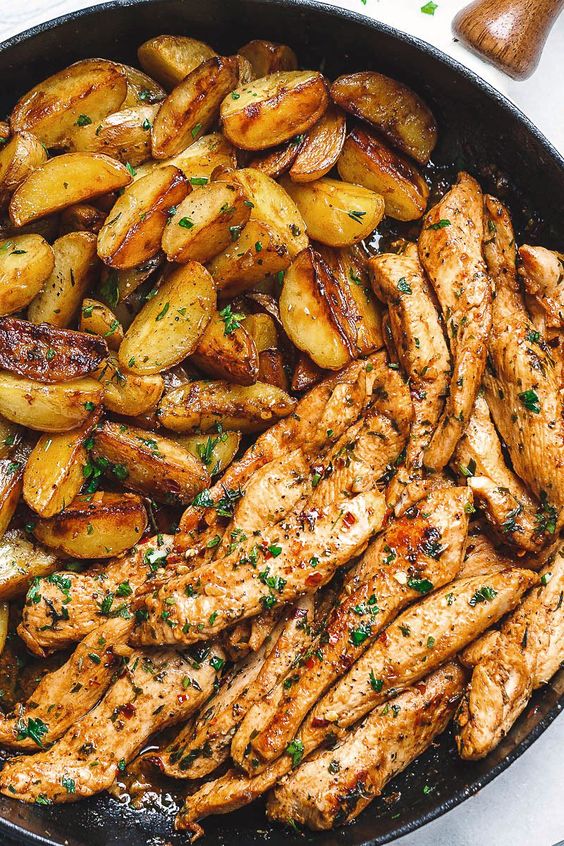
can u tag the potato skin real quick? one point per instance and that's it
(55, 407)
(128, 393)
(273, 109)
(202, 405)
(268, 57)
(392, 108)
(46, 353)
(170, 58)
(156, 466)
(366, 161)
(124, 135)
(100, 525)
(232, 357)
(98, 319)
(18, 158)
(26, 261)
(321, 147)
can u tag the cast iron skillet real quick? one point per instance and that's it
(478, 130)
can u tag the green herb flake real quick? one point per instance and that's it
(530, 400)
(83, 120)
(296, 751)
(483, 594)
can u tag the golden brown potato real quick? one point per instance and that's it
(141, 89)
(306, 374)
(64, 181)
(206, 222)
(366, 161)
(199, 160)
(226, 350)
(78, 95)
(204, 405)
(349, 268)
(392, 108)
(276, 162)
(21, 561)
(76, 265)
(317, 314)
(216, 452)
(127, 393)
(81, 218)
(18, 158)
(267, 57)
(46, 353)
(262, 328)
(273, 109)
(271, 204)
(97, 319)
(9, 436)
(321, 147)
(100, 525)
(11, 481)
(170, 58)
(151, 464)
(193, 105)
(56, 407)
(336, 213)
(170, 324)
(53, 473)
(135, 225)
(124, 135)
(257, 253)
(26, 261)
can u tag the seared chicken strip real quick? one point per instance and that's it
(62, 608)
(418, 337)
(542, 272)
(420, 639)
(482, 556)
(66, 694)
(521, 381)
(416, 553)
(333, 787)
(319, 419)
(450, 250)
(511, 663)
(201, 747)
(510, 510)
(274, 566)
(158, 688)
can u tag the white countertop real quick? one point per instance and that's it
(523, 806)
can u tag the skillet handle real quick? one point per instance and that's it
(509, 34)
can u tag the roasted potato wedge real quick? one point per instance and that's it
(78, 95)
(273, 109)
(306, 374)
(11, 481)
(64, 181)
(215, 451)
(81, 218)
(97, 319)
(321, 147)
(21, 560)
(46, 353)
(272, 205)
(258, 253)
(226, 350)
(100, 525)
(18, 158)
(170, 58)
(10, 435)
(76, 265)
(152, 465)
(272, 369)
(206, 222)
(53, 474)
(124, 135)
(366, 161)
(392, 108)
(199, 160)
(204, 405)
(127, 393)
(56, 407)
(26, 261)
(117, 285)
(141, 88)
(262, 328)
(276, 162)
(266, 57)
(350, 270)
(317, 314)
(336, 213)
(171, 323)
(135, 225)
(193, 105)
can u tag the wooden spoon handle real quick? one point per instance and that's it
(509, 34)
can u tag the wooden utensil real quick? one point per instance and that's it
(509, 34)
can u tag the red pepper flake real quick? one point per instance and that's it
(318, 722)
(313, 579)
(128, 710)
(349, 519)
(182, 697)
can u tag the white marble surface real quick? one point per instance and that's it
(523, 806)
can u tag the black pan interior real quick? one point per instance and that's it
(479, 131)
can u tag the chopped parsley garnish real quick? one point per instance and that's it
(530, 400)
(483, 594)
(442, 222)
(375, 684)
(186, 223)
(422, 586)
(232, 320)
(296, 751)
(83, 120)
(35, 729)
(404, 287)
